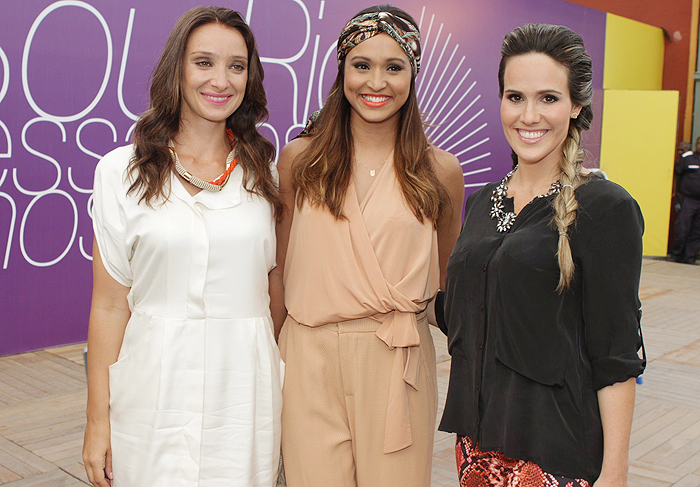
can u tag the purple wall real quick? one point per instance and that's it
(75, 75)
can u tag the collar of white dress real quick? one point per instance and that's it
(228, 197)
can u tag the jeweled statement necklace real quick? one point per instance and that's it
(505, 219)
(218, 183)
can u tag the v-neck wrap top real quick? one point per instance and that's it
(378, 262)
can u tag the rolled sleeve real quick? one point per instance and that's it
(108, 218)
(611, 268)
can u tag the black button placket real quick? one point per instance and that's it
(482, 337)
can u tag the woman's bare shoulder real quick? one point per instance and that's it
(292, 149)
(446, 165)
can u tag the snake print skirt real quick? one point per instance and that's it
(492, 469)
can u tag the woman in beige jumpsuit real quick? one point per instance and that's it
(372, 211)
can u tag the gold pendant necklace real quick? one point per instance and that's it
(373, 172)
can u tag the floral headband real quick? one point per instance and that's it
(366, 26)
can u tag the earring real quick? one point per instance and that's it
(574, 115)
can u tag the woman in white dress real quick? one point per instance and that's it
(184, 385)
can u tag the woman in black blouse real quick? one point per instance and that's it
(541, 305)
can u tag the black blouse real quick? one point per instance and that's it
(526, 360)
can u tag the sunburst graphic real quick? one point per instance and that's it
(449, 101)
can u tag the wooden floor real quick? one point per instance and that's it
(42, 399)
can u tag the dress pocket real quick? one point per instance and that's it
(121, 361)
(131, 377)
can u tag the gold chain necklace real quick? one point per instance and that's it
(373, 172)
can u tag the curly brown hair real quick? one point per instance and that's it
(152, 165)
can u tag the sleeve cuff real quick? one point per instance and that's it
(610, 370)
(440, 311)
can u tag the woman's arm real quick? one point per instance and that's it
(109, 314)
(611, 245)
(277, 308)
(616, 403)
(284, 167)
(449, 172)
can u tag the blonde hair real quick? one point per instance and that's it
(566, 48)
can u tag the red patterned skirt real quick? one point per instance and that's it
(492, 469)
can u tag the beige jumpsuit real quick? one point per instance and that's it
(360, 392)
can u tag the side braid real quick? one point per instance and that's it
(565, 203)
(565, 47)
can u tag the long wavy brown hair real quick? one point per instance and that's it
(564, 46)
(323, 171)
(152, 165)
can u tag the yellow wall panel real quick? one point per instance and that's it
(634, 55)
(637, 149)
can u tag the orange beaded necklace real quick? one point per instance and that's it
(218, 183)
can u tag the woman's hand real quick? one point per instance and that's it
(612, 480)
(97, 453)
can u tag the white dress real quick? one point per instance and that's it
(195, 396)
